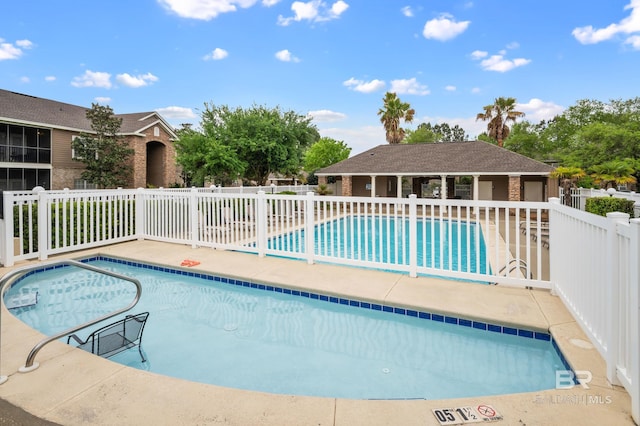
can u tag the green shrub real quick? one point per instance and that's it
(603, 205)
(75, 213)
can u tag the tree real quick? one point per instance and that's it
(391, 113)
(614, 173)
(568, 177)
(105, 154)
(526, 138)
(497, 116)
(423, 134)
(205, 160)
(255, 142)
(325, 152)
(441, 132)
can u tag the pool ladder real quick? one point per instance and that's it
(13, 275)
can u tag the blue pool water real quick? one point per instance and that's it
(252, 336)
(441, 244)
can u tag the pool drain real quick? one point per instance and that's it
(230, 327)
(386, 371)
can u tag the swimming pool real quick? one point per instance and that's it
(441, 243)
(253, 336)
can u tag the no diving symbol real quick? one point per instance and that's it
(486, 411)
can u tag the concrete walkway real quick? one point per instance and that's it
(72, 387)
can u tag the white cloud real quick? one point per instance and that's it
(93, 79)
(206, 10)
(269, 3)
(629, 25)
(25, 79)
(314, 11)
(173, 112)
(326, 116)
(476, 90)
(136, 81)
(50, 78)
(498, 62)
(25, 44)
(450, 88)
(634, 41)
(11, 51)
(409, 86)
(364, 86)
(286, 56)
(407, 11)
(513, 45)
(537, 110)
(443, 28)
(216, 54)
(104, 100)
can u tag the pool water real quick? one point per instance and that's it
(251, 336)
(441, 244)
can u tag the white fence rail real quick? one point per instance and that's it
(589, 261)
(495, 242)
(599, 284)
(579, 197)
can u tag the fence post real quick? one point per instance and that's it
(554, 261)
(140, 214)
(309, 228)
(194, 217)
(44, 223)
(261, 225)
(634, 318)
(613, 297)
(7, 230)
(413, 235)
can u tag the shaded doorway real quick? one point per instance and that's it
(156, 152)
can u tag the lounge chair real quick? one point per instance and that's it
(115, 338)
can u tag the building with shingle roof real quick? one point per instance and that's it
(471, 170)
(36, 136)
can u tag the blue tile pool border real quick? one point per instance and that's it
(443, 318)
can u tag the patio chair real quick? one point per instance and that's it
(115, 338)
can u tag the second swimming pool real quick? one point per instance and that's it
(252, 336)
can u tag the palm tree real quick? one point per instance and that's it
(568, 177)
(613, 173)
(391, 113)
(498, 116)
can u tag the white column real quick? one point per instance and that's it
(373, 185)
(399, 187)
(443, 187)
(476, 191)
(443, 190)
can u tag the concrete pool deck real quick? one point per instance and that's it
(72, 387)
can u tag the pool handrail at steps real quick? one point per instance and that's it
(13, 275)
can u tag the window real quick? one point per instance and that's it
(83, 184)
(73, 151)
(22, 144)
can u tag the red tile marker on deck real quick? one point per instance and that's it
(188, 262)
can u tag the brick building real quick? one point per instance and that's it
(474, 170)
(36, 136)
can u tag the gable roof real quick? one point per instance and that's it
(452, 158)
(27, 109)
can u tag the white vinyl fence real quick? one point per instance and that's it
(590, 262)
(596, 273)
(491, 242)
(579, 197)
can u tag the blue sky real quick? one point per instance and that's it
(331, 59)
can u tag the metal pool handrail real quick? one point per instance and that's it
(11, 276)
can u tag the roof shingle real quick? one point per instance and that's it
(468, 158)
